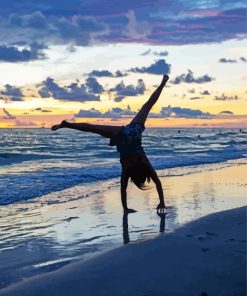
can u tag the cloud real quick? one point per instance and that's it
(223, 97)
(92, 113)
(78, 22)
(7, 115)
(113, 113)
(189, 78)
(114, 119)
(243, 59)
(223, 60)
(165, 112)
(159, 67)
(135, 29)
(94, 86)
(51, 26)
(12, 93)
(131, 90)
(160, 53)
(14, 54)
(42, 110)
(119, 113)
(24, 123)
(119, 98)
(226, 113)
(205, 93)
(147, 52)
(71, 48)
(106, 73)
(183, 112)
(196, 98)
(73, 92)
(155, 53)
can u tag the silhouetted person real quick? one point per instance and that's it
(128, 140)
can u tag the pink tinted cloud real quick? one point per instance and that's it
(206, 12)
(24, 123)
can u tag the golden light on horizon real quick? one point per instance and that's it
(37, 121)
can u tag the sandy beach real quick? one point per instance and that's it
(88, 247)
(205, 257)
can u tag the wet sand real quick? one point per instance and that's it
(205, 256)
(62, 228)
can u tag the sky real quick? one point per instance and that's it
(98, 61)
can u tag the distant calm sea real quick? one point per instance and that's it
(34, 162)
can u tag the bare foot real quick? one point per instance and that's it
(58, 126)
(165, 79)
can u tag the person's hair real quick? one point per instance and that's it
(140, 174)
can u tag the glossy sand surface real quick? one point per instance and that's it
(62, 228)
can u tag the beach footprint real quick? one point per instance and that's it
(210, 233)
(70, 218)
(203, 238)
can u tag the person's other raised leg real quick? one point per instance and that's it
(142, 115)
(106, 131)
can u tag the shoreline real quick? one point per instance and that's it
(207, 255)
(63, 227)
(176, 171)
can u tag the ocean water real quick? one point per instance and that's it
(35, 162)
(56, 207)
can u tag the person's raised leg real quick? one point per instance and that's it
(142, 115)
(106, 131)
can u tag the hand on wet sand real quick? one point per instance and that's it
(161, 208)
(127, 210)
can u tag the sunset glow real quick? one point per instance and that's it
(114, 62)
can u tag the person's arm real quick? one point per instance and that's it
(142, 115)
(124, 184)
(161, 205)
(158, 184)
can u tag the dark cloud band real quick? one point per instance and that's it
(165, 112)
(146, 21)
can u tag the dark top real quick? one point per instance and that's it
(129, 140)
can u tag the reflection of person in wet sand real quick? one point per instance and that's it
(162, 221)
(128, 140)
(126, 238)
